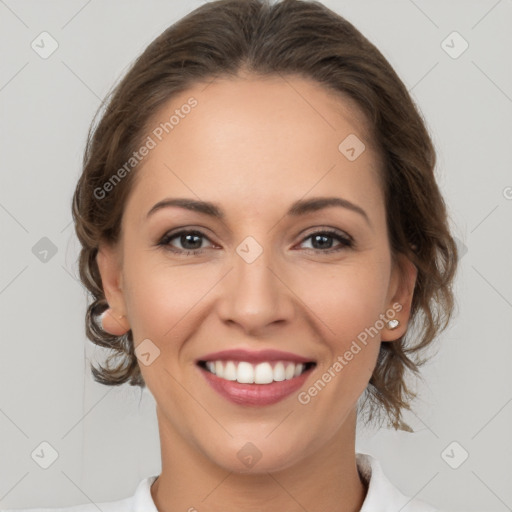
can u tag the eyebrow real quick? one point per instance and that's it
(298, 208)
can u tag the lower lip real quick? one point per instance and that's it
(255, 394)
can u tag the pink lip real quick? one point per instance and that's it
(254, 394)
(254, 357)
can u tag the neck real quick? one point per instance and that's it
(326, 480)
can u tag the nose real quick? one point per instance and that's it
(256, 296)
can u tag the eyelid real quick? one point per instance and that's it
(169, 235)
(327, 229)
(344, 238)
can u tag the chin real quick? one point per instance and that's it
(256, 455)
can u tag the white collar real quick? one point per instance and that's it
(382, 495)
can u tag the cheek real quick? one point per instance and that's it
(163, 302)
(347, 304)
(160, 295)
(347, 299)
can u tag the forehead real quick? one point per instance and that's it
(250, 137)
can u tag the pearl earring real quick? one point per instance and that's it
(393, 324)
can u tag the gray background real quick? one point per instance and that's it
(107, 438)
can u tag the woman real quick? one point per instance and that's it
(261, 229)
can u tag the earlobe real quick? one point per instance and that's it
(399, 307)
(113, 320)
(116, 326)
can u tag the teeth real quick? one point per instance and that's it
(279, 374)
(244, 373)
(230, 372)
(298, 370)
(262, 373)
(290, 371)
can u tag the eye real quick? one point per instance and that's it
(191, 241)
(322, 241)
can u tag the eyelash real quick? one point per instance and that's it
(346, 241)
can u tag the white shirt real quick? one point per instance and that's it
(382, 495)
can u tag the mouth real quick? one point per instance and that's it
(255, 379)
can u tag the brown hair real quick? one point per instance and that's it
(219, 39)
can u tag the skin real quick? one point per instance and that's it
(254, 146)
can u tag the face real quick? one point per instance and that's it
(274, 287)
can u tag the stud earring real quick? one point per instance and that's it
(393, 324)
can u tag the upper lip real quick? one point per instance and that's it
(250, 356)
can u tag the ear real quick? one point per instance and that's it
(401, 291)
(114, 319)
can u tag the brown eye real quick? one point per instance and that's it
(191, 241)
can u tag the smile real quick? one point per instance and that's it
(255, 378)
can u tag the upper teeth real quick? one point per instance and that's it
(262, 373)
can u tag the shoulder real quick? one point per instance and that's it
(140, 501)
(382, 495)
